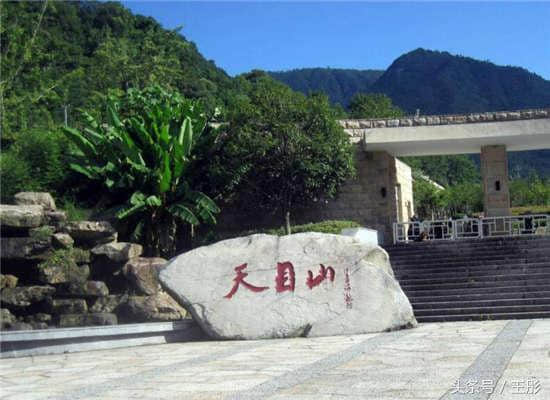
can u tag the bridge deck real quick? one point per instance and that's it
(438, 135)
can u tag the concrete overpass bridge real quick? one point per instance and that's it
(384, 177)
(453, 134)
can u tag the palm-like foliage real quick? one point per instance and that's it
(143, 155)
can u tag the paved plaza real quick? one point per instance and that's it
(460, 360)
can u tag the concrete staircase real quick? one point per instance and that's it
(504, 278)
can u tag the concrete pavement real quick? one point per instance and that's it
(460, 360)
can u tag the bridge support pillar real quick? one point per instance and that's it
(494, 172)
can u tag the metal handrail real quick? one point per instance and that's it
(471, 228)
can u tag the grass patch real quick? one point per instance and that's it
(330, 226)
(42, 233)
(75, 212)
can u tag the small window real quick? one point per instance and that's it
(383, 192)
(497, 186)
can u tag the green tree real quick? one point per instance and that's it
(464, 198)
(428, 199)
(533, 191)
(143, 154)
(446, 170)
(36, 162)
(372, 105)
(285, 150)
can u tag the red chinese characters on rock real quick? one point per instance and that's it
(286, 278)
(240, 279)
(324, 272)
(347, 290)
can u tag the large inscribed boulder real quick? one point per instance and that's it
(308, 284)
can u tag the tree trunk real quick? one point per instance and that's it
(287, 223)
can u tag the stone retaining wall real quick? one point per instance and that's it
(57, 273)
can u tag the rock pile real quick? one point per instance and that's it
(57, 273)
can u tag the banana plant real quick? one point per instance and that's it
(143, 153)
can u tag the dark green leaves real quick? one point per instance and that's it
(143, 153)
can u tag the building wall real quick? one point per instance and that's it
(405, 181)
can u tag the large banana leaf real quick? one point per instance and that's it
(83, 144)
(184, 213)
(146, 157)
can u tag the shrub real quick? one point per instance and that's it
(15, 175)
(143, 155)
(74, 211)
(330, 226)
(36, 161)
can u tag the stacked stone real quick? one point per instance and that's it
(356, 126)
(64, 274)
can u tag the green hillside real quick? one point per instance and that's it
(339, 84)
(440, 83)
(60, 56)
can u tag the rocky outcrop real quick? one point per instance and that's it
(21, 217)
(59, 274)
(72, 320)
(109, 304)
(8, 281)
(6, 317)
(308, 284)
(68, 306)
(62, 240)
(21, 248)
(159, 307)
(24, 296)
(85, 289)
(62, 269)
(91, 232)
(142, 272)
(35, 198)
(118, 251)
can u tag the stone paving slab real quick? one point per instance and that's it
(490, 360)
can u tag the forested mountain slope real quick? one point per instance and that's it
(436, 82)
(339, 84)
(59, 56)
(440, 83)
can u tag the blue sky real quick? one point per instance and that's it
(240, 36)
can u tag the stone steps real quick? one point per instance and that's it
(488, 285)
(506, 295)
(522, 288)
(471, 245)
(475, 279)
(450, 279)
(473, 271)
(489, 266)
(478, 260)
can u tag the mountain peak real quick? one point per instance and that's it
(439, 82)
